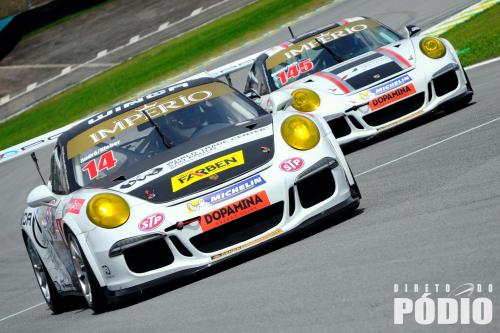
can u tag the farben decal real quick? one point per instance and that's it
(194, 156)
(206, 170)
(234, 211)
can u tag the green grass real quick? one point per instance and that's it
(144, 70)
(477, 39)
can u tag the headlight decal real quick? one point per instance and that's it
(432, 47)
(305, 100)
(107, 210)
(300, 132)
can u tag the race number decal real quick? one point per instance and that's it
(107, 161)
(295, 70)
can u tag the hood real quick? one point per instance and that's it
(207, 162)
(365, 70)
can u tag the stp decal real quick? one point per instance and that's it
(226, 193)
(206, 170)
(391, 97)
(151, 222)
(292, 164)
(233, 211)
(75, 205)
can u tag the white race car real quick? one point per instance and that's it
(173, 182)
(361, 76)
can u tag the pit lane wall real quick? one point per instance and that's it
(51, 137)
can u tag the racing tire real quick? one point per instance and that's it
(87, 282)
(54, 300)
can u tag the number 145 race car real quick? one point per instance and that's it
(174, 182)
(361, 76)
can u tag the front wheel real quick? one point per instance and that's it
(52, 297)
(87, 281)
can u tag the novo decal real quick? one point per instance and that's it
(226, 193)
(151, 222)
(397, 82)
(234, 211)
(292, 164)
(392, 97)
(206, 170)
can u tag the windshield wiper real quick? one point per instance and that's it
(168, 143)
(336, 57)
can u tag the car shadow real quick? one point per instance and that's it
(320, 225)
(417, 122)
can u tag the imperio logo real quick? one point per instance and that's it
(206, 170)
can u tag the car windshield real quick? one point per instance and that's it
(110, 147)
(325, 50)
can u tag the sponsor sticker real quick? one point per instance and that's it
(206, 170)
(292, 164)
(75, 205)
(151, 222)
(225, 194)
(195, 155)
(400, 121)
(392, 97)
(249, 244)
(388, 86)
(234, 211)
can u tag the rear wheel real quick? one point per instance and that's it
(52, 297)
(87, 281)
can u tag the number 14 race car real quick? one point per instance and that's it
(173, 182)
(361, 76)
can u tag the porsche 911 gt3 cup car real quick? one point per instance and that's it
(361, 76)
(174, 182)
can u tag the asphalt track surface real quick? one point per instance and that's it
(429, 215)
(76, 42)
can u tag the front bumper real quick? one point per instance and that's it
(443, 86)
(183, 253)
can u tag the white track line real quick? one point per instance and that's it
(427, 147)
(27, 309)
(487, 62)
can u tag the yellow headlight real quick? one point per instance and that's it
(305, 100)
(432, 47)
(300, 132)
(108, 210)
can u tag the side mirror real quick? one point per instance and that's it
(280, 100)
(412, 30)
(40, 196)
